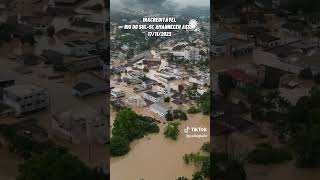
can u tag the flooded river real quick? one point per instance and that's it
(155, 157)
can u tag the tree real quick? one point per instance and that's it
(167, 99)
(169, 116)
(28, 38)
(306, 73)
(204, 103)
(225, 83)
(51, 31)
(172, 131)
(180, 88)
(5, 33)
(182, 178)
(126, 124)
(266, 154)
(129, 126)
(193, 110)
(54, 165)
(227, 167)
(316, 78)
(145, 69)
(119, 146)
(130, 54)
(197, 176)
(254, 95)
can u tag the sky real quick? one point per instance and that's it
(181, 3)
(192, 2)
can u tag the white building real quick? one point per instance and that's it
(80, 126)
(117, 93)
(163, 89)
(200, 80)
(25, 98)
(153, 97)
(89, 84)
(159, 109)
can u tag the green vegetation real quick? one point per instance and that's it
(46, 161)
(167, 99)
(266, 154)
(172, 130)
(204, 103)
(5, 33)
(51, 31)
(306, 73)
(120, 146)
(300, 127)
(169, 116)
(182, 178)
(201, 160)
(130, 54)
(57, 165)
(225, 83)
(316, 78)
(176, 114)
(227, 167)
(193, 110)
(116, 106)
(129, 126)
(179, 114)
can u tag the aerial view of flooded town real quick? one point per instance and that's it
(265, 75)
(160, 103)
(53, 89)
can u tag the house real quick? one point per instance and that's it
(153, 97)
(52, 57)
(199, 80)
(163, 89)
(228, 44)
(147, 83)
(29, 59)
(89, 84)
(159, 109)
(39, 23)
(313, 19)
(25, 98)
(83, 64)
(267, 4)
(240, 77)
(79, 48)
(268, 41)
(296, 28)
(6, 80)
(80, 125)
(117, 93)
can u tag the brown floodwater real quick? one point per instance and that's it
(155, 157)
(9, 165)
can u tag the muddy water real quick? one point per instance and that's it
(8, 165)
(155, 157)
(287, 170)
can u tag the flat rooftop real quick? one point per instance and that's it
(153, 94)
(22, 90)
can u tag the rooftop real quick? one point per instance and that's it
(22, 90)
(153, 94)
(159, 108)
(240, 75)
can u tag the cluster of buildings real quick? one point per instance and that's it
(57, 40)
(161, 74)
